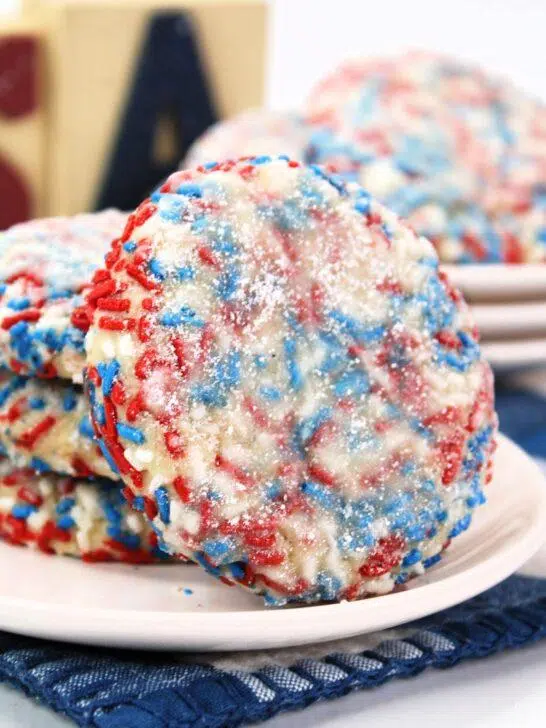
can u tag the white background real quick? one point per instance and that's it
(307, 38)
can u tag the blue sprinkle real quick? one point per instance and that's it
(85, 428)
(413, 557)
(188, 592)
(133, 434)
(329, 585)
(108, 372)
(190, 190)
(427, 563)
(321, 494)
(260, 361)
(138, 503)
(460, 526)
(362, 205)
(237, 570)
(356, 330)
(273, 489)
(157, 269)
(186, 273)
(227, 283)
(36, 403)
(162, 499)
(69, 401)
(263, 159)
(295, 378)
(228, 371)
(22, 510)
(130, 246)
(18, 304)
(66, 522)
(186, 316)
(353, 383)
(305, 429)
(64, 506)
(209, 395)
(219, 550)
(271, 394)
(39, 465)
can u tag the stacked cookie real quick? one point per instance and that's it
(290, 388)
(58, 492)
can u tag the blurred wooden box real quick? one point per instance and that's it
(89, 55)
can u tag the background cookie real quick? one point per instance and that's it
(458, 152)
(257, 131)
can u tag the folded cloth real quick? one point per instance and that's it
(114, 689)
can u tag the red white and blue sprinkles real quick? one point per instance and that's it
(456, 151)
(45, 266)
(46, 426)
(289, 387)
(71, 517)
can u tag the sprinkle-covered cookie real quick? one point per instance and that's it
(45, 265)
(459, 153)
(46, 426)
(290, 387)
(256, 131)
(60, 515)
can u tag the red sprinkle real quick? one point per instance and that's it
(113, 304)
(174, 444)
(29, 315)
(180, 484)
(29, 438)
(104, 288)
(240, 475)
(140, 277)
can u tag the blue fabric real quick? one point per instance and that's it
(116, 689)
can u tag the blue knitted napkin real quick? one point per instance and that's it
(116, 689)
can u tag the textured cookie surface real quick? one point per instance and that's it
(45, 425)
(459, 153)
(45, 265)
(292, 387)
(257, 131)
(65, 516)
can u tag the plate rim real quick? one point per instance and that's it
(488, 282)
(421, 601)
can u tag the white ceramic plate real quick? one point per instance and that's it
(499, 282)
(499, 320)
(510, 355)
(147, 607)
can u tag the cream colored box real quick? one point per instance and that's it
(90, 53)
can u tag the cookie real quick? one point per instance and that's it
(293, 389)
(45, 266)
(45, 425)
(70, 517)
(256, 131)
(456, 151)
